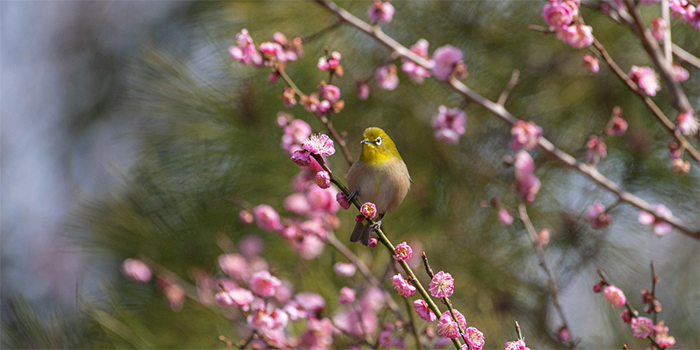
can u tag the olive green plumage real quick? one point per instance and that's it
(379, 176)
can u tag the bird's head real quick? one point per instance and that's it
(377, 147)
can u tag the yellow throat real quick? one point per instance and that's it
(377, 147)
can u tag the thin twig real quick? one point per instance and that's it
(511, 84)
(333, 240)
(543, 263)
(386, 242)
(653, 292)
(517, 330)
(678, 98)
(670, 126)
(322, 118)
(666, 16)
(307, 38)
(628, 306)
(500, 112)
(412, 319)
(685, 56)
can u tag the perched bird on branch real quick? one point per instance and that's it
(379, 176)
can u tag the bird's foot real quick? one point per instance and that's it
(376, 226)
(352, 196)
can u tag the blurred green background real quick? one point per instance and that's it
(204, 128)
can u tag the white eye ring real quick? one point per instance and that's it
(378, 141)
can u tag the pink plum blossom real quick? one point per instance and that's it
(330, 92)
(346, 295)
(342, 200)
(527, 184)
(318, 334)
(386, 77)
(301, 157)
(402, 285)
(474, 338)
(449, 124)
(251, 245)
(234, 265)
(641, 327)
(368, 210)
(557, 14)
(596, 216)
(319, 144)
(646, 79)
(373, 241)
(505, 217)
(310, 302)
(591, 63)
(658, 27)
(447, 136)
(245, 50)
(259, 319)
(266, 217)
(362, 90)
(665, 340)
(445, 60)
(223, 299)
(627, 316)
(297, 203)
(614, 296)
(295, 311)
(442, 285)
(246, 217)
(323, 64)
(563, 335)
(136, 270)
(680, 73)
(543, 237)
(414, 70)
(577, 36)
(596, 149)
(264, 284)
(661, 227)
(323, 179)
(380, 12)
(241, 297)
(516, 345)
(616, 127)
(525, 135)
(686, 124)
(423, 310)
(344, 269)
(598, 287)
(447, 327)
(403, 252)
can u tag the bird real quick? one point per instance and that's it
(379, 176)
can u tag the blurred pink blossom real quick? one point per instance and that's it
(596, 149)
(323, 179)
(416, 71)
(245, 50)
(318, 334)
(234, 265)
(658, 27)
(641, 327)
(241, 297)
(591, 63)
(577, 36)
(362, 89)
(661, 227)
(344, 269)
(330, 92)
(380, 12)
(505, 217)
(251, 245)
(311, 302)
(264, 284)
(646, 79)
(223, 299)
(297, 203)
(346, 295)
(449, 124)
(386, 77)
(557, 14)
(136, 270)
(445, 60)
(308, 246)
(686, 124)
(596, 216)
(627, 316)
(616, 127)
(525, 135)
(680, 73)
(246, 217)
(614, 296)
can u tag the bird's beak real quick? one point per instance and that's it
(366, 142)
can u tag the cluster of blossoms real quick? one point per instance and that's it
(641, 327)
(525, 135)
(562, 16)
(279, 49)
(449, 124)
(646, 79)
(661, 227)
(526, 183)
(687, 124)
(138, 271)
(687, 11)
(415, 71)
(380, 11)
(597, 217)
(596, 149)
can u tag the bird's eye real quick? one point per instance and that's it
(378, 141)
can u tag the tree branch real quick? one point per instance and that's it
(505, 116)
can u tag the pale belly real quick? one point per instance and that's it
(385, 185)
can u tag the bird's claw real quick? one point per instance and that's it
(376, 226)
(352, 196)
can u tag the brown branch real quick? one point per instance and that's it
(505, 116)
(678, 98)
(322, 118)
(333, 240)
(543, 263)
(511, 84)
(685, 56)
(670, 126)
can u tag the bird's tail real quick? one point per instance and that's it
(361, 232)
